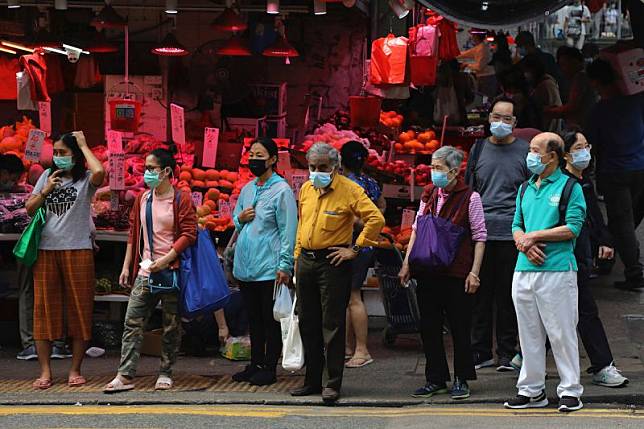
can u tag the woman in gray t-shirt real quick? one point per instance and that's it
(64, 271)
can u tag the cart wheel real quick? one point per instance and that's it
(388, 337)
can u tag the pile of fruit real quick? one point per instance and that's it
(412, 142)
(401, 237)
(208, 214)
(391, 119)
(328, 133)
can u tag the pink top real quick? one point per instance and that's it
(476, 215)
(162, 227)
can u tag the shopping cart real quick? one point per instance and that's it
(401, 307)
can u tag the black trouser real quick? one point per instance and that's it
(590, 327)
(495, 293)
(624, 196)
(437, 295)
(322, 297)
(265, 332)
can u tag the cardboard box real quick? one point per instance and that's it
(152, 343)
(629, 65)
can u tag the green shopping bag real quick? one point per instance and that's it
(26, 249)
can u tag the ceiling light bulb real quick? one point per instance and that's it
(60, 4)
(13, 4)
(273, 7)
(400, 8)
(171, 7)
(319, 7)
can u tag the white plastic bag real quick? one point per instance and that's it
(292, 350)
(283, 302)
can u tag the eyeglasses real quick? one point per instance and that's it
(495, 117)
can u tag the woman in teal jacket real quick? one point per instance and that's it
(266, 220)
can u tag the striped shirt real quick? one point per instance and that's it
(476, 214)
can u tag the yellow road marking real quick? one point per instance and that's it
(279, 412)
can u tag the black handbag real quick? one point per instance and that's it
(166, 280)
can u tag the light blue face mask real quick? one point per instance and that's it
(533, 160)
(65, 163)
(581, 159)
(500, 129)
(320, 179)
(439, 179)
(151, 178)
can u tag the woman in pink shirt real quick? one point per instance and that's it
(449, 289)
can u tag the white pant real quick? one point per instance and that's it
(546, 307)
(576, 42)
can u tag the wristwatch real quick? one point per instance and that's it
(356, 249)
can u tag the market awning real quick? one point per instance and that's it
(494, 14)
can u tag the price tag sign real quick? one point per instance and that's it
(115, 141)
(197, 198)
(224, 209)
(177, 119)
(298, 179)
(408, 218)
(114, 201)
(33, 148)
(44, 115)
(117, 171)
(283, 160)
(210, 143)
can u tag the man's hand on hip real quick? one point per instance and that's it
(340, 255)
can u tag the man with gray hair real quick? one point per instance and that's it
(329, 204)
(550, 214)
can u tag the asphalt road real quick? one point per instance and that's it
(259, 417)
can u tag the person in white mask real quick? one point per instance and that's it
(495, 170)
(324, 249)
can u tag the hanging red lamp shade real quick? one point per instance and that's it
(229, 20)
(100, 45)
(170, 47)
(281, 48)
(235, 47)
(108, 18)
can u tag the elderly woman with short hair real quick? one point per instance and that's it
(446, 287)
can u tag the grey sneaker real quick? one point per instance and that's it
(505, 365)
(610, 377)
(60, 353)
(517, 362)
(481, 361)
(28, 354)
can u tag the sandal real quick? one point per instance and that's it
(76, 381)
(117, 385)
(42, 384)
(163, 383)
(359, 362)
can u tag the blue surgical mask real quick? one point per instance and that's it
(320, 179)
(439, 179)
(500, 130)
(151, 178)
(581, 159)
(533, 160)
(65, 163)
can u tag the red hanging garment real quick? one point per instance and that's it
(36, 67)
(55, 81)
(389, 60)
(8, 85)
(423, 58)
(447, 44)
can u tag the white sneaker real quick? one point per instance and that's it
(610, 377)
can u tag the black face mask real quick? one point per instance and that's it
(257, 166)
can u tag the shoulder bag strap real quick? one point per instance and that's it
(564, 199)
(148, 222)
(470, 172)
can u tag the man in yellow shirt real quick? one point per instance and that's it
(329, 204)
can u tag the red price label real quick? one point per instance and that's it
(117, 171)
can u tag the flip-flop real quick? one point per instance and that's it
(42, 384)
(116, 386)
(163, 383)
(76, 381)
(364, 362)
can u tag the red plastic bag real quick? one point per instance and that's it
(389, 60)
(423, 70)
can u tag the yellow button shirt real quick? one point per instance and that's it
(326, 220)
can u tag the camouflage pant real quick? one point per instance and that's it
(139, 309)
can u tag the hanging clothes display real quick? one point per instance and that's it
(423, 58)
(8, 69)
(87, 73)
(388, 92)
(23, 82)
(36, 67)
(389, 60)
(55, 81)
(447, 44)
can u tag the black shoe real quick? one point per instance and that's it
(522, 402)
(505, 365)
(632, 285)
(246, 374)
(568, 404)
(482, 361)
(429, 390)
(263, 377)
(330, 396)
(306, 391)
(460, 390)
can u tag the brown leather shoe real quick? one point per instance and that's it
(330, 396)
(306, 391)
